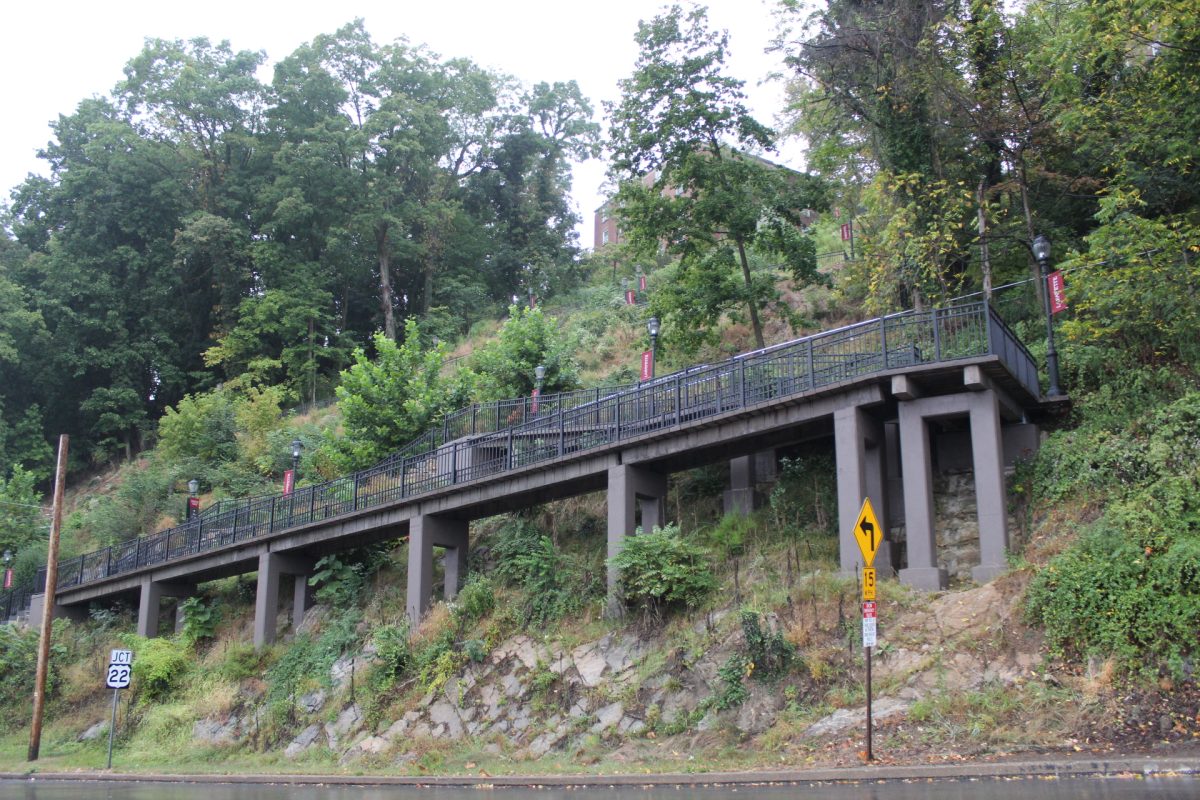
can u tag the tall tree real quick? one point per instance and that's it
(679, 136)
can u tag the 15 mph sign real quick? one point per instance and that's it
(119, 669)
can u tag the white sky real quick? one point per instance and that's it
(52, 56)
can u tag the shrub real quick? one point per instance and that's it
(159, 665)
(242, 660)
(663, 570)
(475, 600)
(199, 620)
(1129, 587)
(769, 653)
(338, 583)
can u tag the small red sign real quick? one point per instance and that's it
(533, 406)
(847, 231)
(8, 578)
(869, 609)
(630, 297)
(289, 481)
(193, 507)
(1058, 292)
(642, 283)
(647, 364)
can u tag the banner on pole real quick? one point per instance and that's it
(289, 481)
(1058, 292)
(647, 365)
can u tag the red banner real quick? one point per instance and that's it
(533, 301)
(533, 406)
(1058, 292)
(647, 364)
(847, 231)
(193, 507)
(289, 481)
(642, 282)
(8, 579)
(630, 297)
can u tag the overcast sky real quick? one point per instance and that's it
(53, 55)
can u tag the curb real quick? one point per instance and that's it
(1143, 766)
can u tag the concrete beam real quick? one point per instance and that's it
(976, 380)
(37, 606)
(987, 452)
(905, 388)
(266, 602)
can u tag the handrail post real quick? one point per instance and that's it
(937, 335)
(678, 399)
(509, 452)
(108, 561)
(474, 409)
(562, 435)
(742, 380)
(271, 519)
(454, 463)
(883, 339)
(312, 504)
(812, 372)
(354, 502)
(617, 417)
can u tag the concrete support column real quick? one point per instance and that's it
(917, 471)
(302, 595)
(266, 602)
(426, 531)
(861, 465)
(150, 600)
(987, 452)
(739, 498)
(627, 485)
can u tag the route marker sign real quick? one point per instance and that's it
(867, 532)
(119, 669)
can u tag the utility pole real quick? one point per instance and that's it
(43, 662)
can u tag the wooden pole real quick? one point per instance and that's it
(43, 663)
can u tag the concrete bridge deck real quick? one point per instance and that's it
(910, 367)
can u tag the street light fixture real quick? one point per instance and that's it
(297, 446)
(1041, 251)
(652, 327)
(539, 374)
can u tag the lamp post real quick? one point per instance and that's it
(1041, 251)
(539, 375)
(193, 501)
(652, 327)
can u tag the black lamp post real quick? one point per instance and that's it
(652, 327)
(1041, 251)
(193, 501)
(539, 375)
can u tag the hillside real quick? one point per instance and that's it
(523, 673)
(222, 280)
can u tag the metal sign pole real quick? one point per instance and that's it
(870, 754)
(112, 726)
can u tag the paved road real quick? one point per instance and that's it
(1027, 788)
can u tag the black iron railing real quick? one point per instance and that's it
(490, 439)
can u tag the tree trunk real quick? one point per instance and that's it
(985, 259)
(754, 321)
(383, 246)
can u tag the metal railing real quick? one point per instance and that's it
(511, 434)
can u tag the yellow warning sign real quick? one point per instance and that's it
(869, 583)
(868, 532)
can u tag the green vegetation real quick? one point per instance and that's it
(210, 251)
(663, 570)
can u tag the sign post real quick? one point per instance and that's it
(119, 671)
(869, 536)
